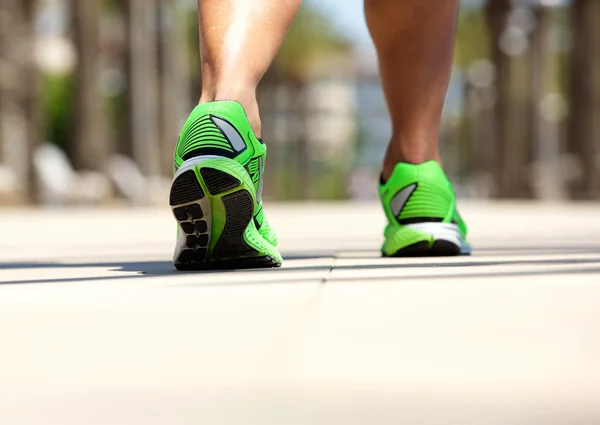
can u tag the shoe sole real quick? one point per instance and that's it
(213, 202)
(426, 240)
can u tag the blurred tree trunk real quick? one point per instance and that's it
(19, 116)
(142, 85)
(170, 92)
(584, 131)
(548, 181)
(512, 117)
(496, 14)
(89, 148)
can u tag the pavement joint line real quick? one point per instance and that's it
(333, 263)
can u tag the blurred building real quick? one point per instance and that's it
(93, 94)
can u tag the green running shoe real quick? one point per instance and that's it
(216, 196)
(420, 206)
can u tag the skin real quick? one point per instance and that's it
(238, 41)
(414, 41)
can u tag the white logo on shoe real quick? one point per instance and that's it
(401, 198)
(237, 142)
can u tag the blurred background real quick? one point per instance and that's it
(93, 95)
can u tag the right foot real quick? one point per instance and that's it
(216, 193)
(420, 205)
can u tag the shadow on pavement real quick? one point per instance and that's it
(370, 261)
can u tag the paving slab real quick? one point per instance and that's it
(96, 327)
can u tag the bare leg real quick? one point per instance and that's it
(415, 44)
(239, 39)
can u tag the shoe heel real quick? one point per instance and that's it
(445, 238)
(191, 209)
(423, 240)
(209, 189)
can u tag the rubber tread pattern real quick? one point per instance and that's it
(239, 209)
(218, 181)
(186, 189)
(229, 264)
(185, 213)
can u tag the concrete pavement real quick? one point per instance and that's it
(96, 327)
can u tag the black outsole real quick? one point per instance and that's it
(231, 251)
(196, 229)
(415, 250)
(231, 264)
(192, 212)
(217, 181)
(239, 210)
(186, 189)
(440, 248)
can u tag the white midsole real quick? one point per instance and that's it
(444, 231)
(192, 162)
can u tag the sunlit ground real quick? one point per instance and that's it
(97, 327)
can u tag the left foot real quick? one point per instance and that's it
(216, 193)
(420, 205)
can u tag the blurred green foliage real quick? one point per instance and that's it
(312, 36)
(57, 95)
(472, 38)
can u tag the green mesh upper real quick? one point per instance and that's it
(201, 132)
(201, 135)
(428, 195)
